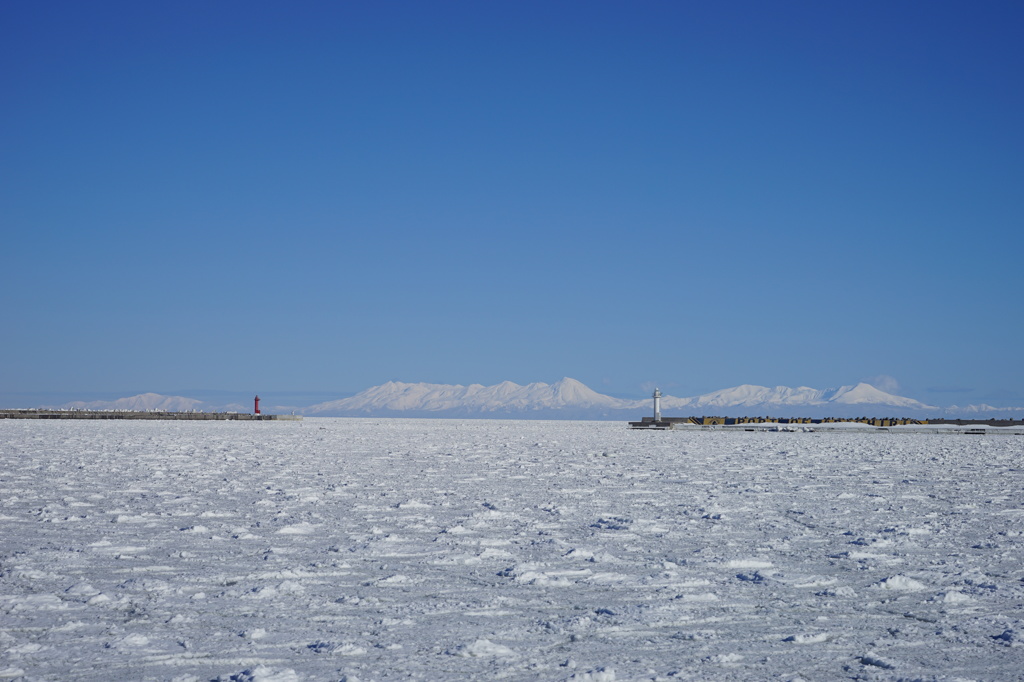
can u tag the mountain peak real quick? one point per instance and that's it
(140, 403)
(864, 393)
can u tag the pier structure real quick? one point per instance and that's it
(153, 415)
(852, 424)
(872, 424)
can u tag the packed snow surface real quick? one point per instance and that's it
(365, 549)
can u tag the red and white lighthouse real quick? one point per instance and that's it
(256, 409)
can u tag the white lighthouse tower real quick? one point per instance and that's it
(657, 404)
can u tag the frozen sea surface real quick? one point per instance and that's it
(362, 549)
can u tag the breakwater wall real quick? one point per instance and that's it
(869, 421)
(863, 424)
(129, 414)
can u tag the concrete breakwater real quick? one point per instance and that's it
(131, 414)
(864, 425)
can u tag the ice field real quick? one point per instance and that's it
(362, 549)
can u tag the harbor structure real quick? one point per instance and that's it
(138, 414)
(866, 424)
(970, 426)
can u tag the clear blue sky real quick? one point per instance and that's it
(323, 196)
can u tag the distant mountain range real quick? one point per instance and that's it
(140, 403)
(565, 398)
(748, 396)
(571, 399)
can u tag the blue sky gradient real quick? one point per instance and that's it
(258, 197)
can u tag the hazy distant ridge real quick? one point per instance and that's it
(803, 396)
(140, 403)
(571, 399)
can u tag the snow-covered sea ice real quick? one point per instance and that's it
(377, 549)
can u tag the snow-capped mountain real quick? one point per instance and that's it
(759, 398)
(983, 409)
(866, 394)
(171, 403)
(140, 403)
(567, 397)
